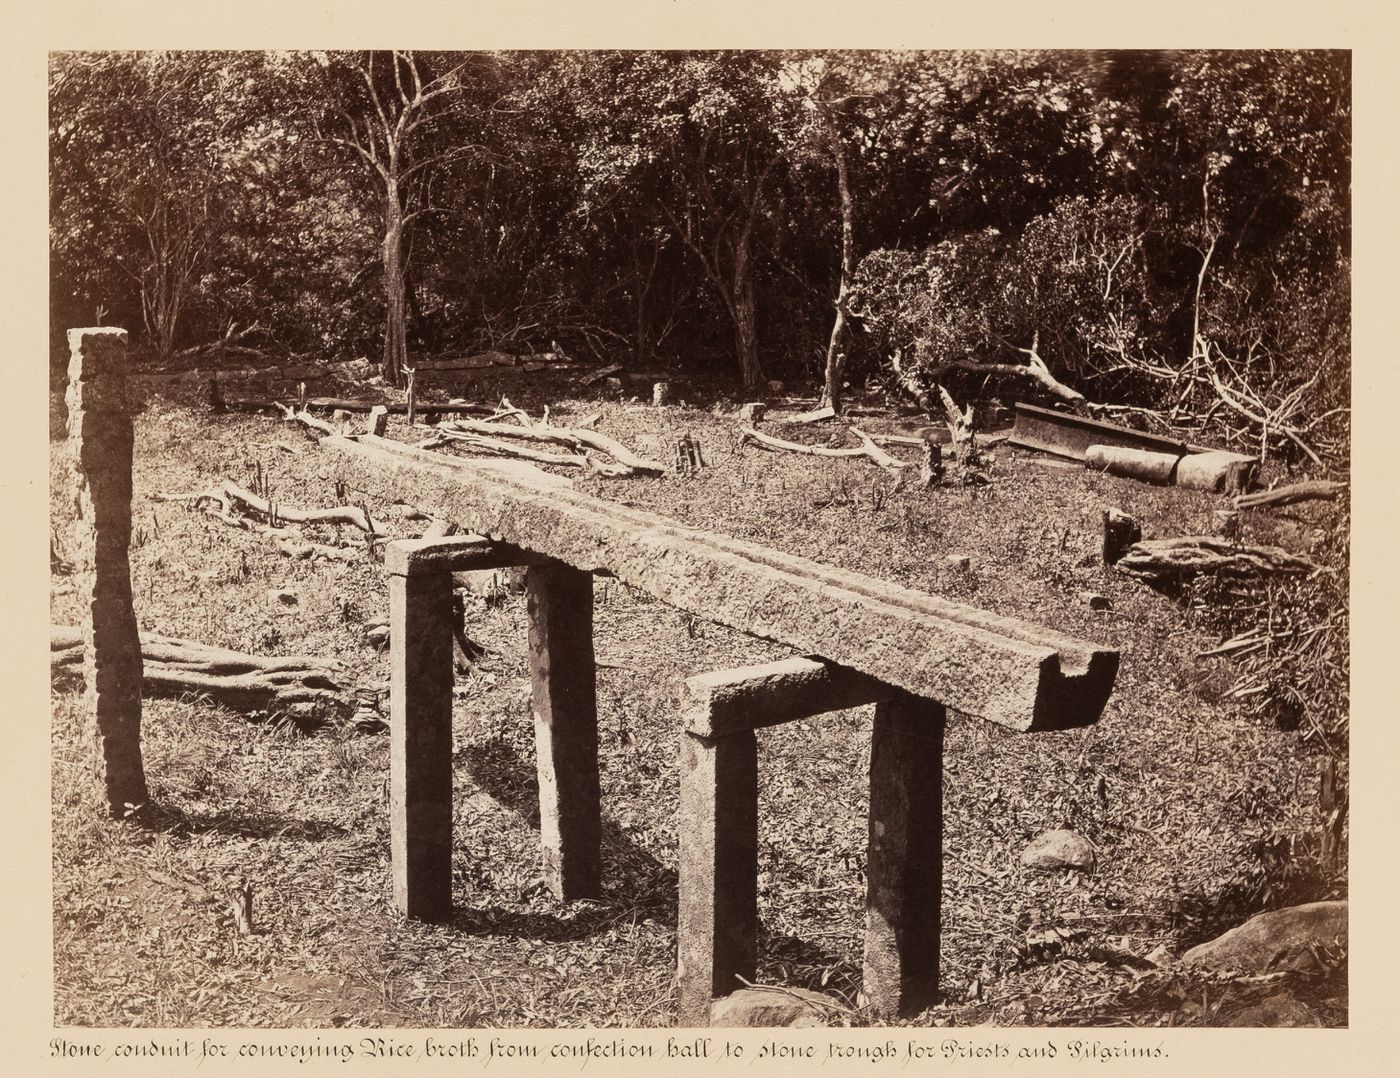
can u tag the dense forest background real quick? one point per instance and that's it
(1166, 234)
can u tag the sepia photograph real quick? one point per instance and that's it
(689, 539)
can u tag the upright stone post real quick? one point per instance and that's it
(559, 606)
(904, 862)
(420, 740)
(718, 917)
(100, 442)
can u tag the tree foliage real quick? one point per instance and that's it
(1168, 231)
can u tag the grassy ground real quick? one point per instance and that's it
(1200, 812)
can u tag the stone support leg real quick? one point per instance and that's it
(718, 920)
(420, 743)
(559, 604)
(904, 861)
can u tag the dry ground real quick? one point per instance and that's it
(1200, 813)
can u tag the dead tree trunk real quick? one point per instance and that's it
(840, 332)
(395, 310)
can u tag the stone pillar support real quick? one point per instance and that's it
(420, 711)
(420, 743)
(717, 926)
(904, 862)
(559, 605)
(100, 441)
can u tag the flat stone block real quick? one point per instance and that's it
(750, 697)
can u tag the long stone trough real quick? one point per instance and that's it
(996, 668)
(867, 641)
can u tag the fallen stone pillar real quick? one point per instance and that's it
(904, 862)
(559, 605)
(100, 441)
(717, 922)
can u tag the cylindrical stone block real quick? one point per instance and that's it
(904, 862)
(559, 606)
(100, 441)
(420, 743)
(717, 925)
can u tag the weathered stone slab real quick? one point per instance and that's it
(752, 697)
(559, 605)
(904, 860)
(717, 922)
(100, 440)
(998, 668)
(420, 743)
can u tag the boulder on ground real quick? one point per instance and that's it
(1281, 940)
(1059, 849)
(794, 1008)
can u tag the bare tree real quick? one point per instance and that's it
(385, 127)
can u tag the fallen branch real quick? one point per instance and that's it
(340, 514)
(817, 415)
(600, 374)
(1163, 559)
(306, 419)
(573, 437)
(875, 453)
(246, 683)
(868, 449)
(507, 449)
(1297, 492)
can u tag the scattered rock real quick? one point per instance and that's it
(378, 635)
(283, 596)
(1094, 601)
(958, 563)
(1280, 940)
(794, 1008)
(1059, 849)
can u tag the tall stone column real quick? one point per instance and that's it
(904, 862)
(100, 441)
